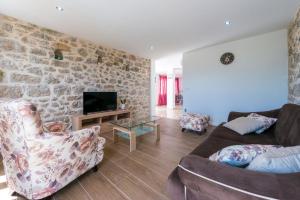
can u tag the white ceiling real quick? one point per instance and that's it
(171, 26)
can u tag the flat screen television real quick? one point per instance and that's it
(99, 101)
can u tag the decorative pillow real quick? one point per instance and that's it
(244, 125)
(280, 161)
(58, 127)
(268, 121)
(240, 155)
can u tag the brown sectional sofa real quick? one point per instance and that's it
(196, 177)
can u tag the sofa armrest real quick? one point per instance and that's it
(203, 175)
(271, 113)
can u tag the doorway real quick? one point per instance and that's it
(168, 88)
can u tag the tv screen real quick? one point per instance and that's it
(99, 101)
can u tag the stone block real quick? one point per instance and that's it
(77, 68)
(82, 52)
(24, 78)
(50, 79)
(7, 27)
(59, 63)
(38, 60)
(51, 32)
(11, 45)
(35, 70)
(42, 36)
(78, 89)
(38, 52)
(63, 47)
(38, 91)
(10, 91)
(8, 64)
(61, 90)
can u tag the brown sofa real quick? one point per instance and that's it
(196, 177)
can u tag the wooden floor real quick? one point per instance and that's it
(141, 174)
(171, 113)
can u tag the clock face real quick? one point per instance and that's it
(227, 58)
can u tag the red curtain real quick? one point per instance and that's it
(162, 92)
(177, 86)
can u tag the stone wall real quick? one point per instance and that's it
(28, 70)
(294, 60)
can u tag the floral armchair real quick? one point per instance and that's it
(36, 163)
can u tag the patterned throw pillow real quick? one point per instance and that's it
(240, 155)
(57, 128)
(268, 121)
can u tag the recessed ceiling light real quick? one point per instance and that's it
(59, 8)
(227, 23)
(151, 47)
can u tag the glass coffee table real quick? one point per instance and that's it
(131, 128)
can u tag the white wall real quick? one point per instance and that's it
(171, 91)
(167, 64)
(256, 80)
(153, 88)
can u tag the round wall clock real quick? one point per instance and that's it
(227, 58)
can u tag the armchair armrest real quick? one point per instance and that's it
(201, 174)
(271, 113)
(52, 146)
(62, 158)
(79, 133)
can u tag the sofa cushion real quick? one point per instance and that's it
(287, 130)
(240, 155)
(244, 125)
(252, 138)
(282, 160)
(271, 113)
(212, 145)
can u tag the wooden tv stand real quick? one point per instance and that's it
(80, 121)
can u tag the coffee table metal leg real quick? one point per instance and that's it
(115, 135)
(132, 136)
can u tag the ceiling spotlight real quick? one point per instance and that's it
(227, 23)
(151, 48)
(59, 8)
